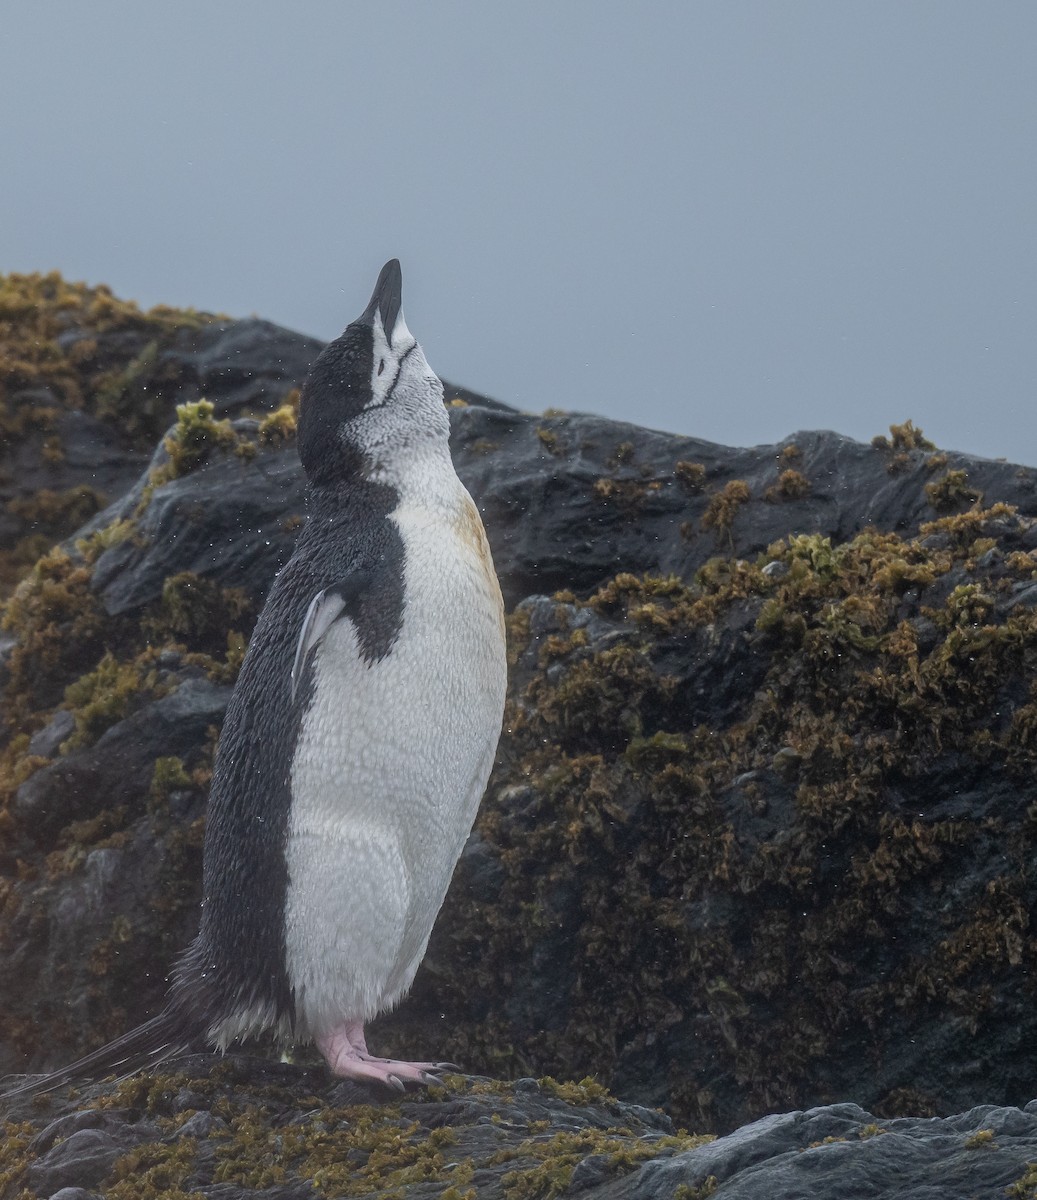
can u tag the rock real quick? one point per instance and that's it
(758, 835)
(46, 742)
(120, 766)
(286, 1132)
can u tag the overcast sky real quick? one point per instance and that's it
(730, 219)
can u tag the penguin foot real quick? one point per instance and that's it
(345, 1052)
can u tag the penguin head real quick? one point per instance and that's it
(371, 402)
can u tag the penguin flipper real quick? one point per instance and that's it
(325, 609)
(143, 1048)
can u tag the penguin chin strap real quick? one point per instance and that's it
(345, 1050)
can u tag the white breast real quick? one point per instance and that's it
(392, 761)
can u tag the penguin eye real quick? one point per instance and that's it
(381, 365)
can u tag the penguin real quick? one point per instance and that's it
(359, 737)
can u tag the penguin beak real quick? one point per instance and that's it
(386, 299)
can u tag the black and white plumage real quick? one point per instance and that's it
(360, 735)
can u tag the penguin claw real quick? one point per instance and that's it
(345, 1051)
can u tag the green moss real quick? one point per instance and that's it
(869, 1131)
(199, 613)
(154, 1171)
(280, 425)
(1025, 1187)
(691, 476)
(92, 547)
(622, 455)
(193, 438)
(168, 776)
(627, 493)
(876, 656)
(982, 1139)
(951, 491)
(724, 506)
(552, 1160)
(57, 512)
(902, 438)
(586, 1091)
(550, 440)
(59, 624)
(15, 1156)
(791, 485)
(36, 309)
(702, 1191)
(109, 693)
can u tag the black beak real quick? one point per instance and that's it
(386, 298)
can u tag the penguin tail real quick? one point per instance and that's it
(141, 1049)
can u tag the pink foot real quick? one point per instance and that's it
(345, 1051)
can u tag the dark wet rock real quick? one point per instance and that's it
(48, 740)
(758, 839)
(528, 1138)
(120, 765)
(232, 522)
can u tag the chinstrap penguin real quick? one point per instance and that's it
(359, 737)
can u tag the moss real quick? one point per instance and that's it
(702, 1191)
(109, 693)
(193, 438)
(869, 1131)
(56, 512)
(199, 613)
(91, 548)
(154, 1171)
(905, 437)
(550, 440)
(15, 1155)
(879, 657)
(724, 506)
(85, 371)
(123, 393)
(552, 1160)
(1025, 1187)
(951, 491)
(691, 476)
(791, 485)
(621, 455)
(627, 493)
(586, 1091)
(59, 624)
(280, 425)
(982, 1139)
(168, 776)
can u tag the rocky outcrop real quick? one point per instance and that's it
(252, 1130)
(759, 834)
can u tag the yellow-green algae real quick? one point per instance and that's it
(36, 309)
(865, 687)
(1025, 1187)
(55, 357)
(269, 1135)
(72, 654)
(791, 485)
(724, 506)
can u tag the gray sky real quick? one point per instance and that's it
(731, 219)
